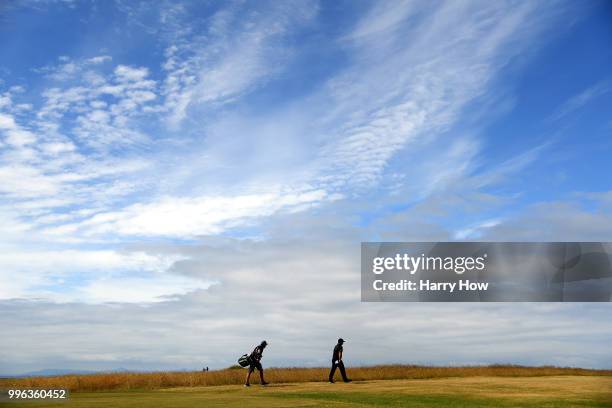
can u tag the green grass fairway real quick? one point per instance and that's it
(540, 392)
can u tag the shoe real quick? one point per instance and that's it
(332, 382)
(247, 385)
(263, 384)
(348, 381)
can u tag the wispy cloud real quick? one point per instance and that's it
(68, 69)
(238, 50)
(576, 102)
(421, 88)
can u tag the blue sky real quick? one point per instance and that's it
(177, 156)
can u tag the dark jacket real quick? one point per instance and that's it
(337, 351)
(256, 354)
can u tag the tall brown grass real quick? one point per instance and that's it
(156, 380)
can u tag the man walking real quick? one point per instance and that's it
(337, 362)
(255, 363)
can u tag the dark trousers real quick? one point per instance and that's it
(255, 365)
(339, 365)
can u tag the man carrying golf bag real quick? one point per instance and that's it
(255, 363)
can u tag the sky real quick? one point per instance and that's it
(180, 180)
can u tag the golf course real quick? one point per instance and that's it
(463, 387)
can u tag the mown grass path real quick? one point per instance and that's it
(541, 392)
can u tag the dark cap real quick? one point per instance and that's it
(340, 340)
(264, 343)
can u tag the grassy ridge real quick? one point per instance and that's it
(566, 391)
(158, 380)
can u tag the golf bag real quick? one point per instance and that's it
(244, 360)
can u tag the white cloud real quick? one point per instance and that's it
(131, 74)
(187, 217)
(475, 231)
(99, 59)
(14, 134)
(7, 122)
(90, 276)
(129, 289)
